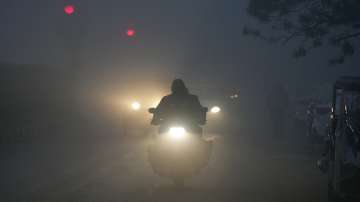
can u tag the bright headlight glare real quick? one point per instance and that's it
(135, 105)
(215, 110)
(177, 132)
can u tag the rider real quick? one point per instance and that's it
(180, 104)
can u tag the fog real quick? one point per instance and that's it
(67, 82)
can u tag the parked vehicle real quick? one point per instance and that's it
(342, 157)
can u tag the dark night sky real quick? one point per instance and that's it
(198, 40)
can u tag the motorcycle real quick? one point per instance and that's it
(179, 150)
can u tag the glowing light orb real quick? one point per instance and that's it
(130, 32)
(69, 9)
(215, 110)
(135, 105)
(177, 132)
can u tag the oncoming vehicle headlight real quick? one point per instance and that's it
(177, 132)
(215, 109)
(135, 105)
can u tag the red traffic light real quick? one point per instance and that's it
(69, 9)
(130, 32)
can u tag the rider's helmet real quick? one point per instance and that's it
(178, 87)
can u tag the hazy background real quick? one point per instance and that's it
(200, 41)
(75, 76)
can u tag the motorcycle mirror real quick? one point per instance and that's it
(152, 110)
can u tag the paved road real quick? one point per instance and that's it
(115, 169)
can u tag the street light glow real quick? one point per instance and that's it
(69, 9)
(130, 32)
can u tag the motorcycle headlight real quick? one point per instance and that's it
(177, 132)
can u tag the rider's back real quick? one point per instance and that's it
(180, 106)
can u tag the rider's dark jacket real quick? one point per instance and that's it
(183, 106)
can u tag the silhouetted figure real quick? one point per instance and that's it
(310, 118)
(180, 105)
(352, 131)
(277, 103)
(353, 123)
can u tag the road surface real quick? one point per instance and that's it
(114, 168)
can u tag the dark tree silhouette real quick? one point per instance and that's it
(314, 23)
